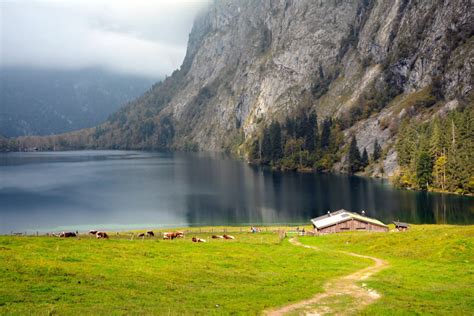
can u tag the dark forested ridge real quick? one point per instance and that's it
(45, 102)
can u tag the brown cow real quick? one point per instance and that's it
(228, 236)
(198, 239)
(217, 237)
(173, 235)
(169, 235)
(102, 235)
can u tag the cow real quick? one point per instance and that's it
(198, 239)
(68, 234)
(100, 235)
(93, 232)
(169, 235)
(217, 237)
(228, 236)
(141, 235)
(150, 233)
(173, 235)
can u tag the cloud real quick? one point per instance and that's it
(146, 38)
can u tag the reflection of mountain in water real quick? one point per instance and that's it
(89, 189)
(234, 193)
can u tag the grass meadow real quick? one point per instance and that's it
(48, 275)
(431, 272)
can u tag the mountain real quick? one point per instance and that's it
(45, 102)
(258, 75)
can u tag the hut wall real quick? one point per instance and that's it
(352, 225)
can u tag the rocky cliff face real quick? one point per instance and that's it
(367, 63)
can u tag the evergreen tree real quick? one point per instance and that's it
(377, 151)
(439, 172)
(436, 143)
(406, 144)
(266, 146)
(317, 139)
(275, 141)
(290, 127)
(310, 126)
(354, 156)
(424, 170)
(325, 133)
(364, 161)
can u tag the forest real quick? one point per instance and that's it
(300, 143)
(437, 155)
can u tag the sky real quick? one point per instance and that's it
(136, 37)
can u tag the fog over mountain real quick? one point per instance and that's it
(143, 38)
(44, 102)
(68, 65)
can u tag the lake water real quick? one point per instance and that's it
(84, 190)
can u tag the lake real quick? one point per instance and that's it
(55, 191)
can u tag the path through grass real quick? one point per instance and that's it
(431, 268)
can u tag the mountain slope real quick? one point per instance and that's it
(368, 65)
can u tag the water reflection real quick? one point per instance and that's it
(117, 189)
(237, 193)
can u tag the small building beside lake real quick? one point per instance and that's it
(401, 226)
(343, 220)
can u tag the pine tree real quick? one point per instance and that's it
(326, 133)
(424, 170)
(364, 161)
(266, 146)
(439, 172)
(290, 127)
(377, 151)
(310, 123)
(354, 156)
(275, 141)
(436, 141)
(317, 139)
(406, 144)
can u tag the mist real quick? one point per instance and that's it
(142, 38)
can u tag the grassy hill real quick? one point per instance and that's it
(431, 271)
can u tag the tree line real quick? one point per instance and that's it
(438, 155)
(301, 143)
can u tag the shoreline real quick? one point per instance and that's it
(253, 164)
(206, 229)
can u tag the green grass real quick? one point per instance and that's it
(431, 268)
(47, 275)
(431, 272)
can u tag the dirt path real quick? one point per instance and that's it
(342, 288)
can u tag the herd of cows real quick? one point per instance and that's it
(166, 235)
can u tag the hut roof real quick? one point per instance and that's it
(342, 216)
(401, 224)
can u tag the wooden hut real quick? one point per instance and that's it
(343, 220)
(400, 226)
